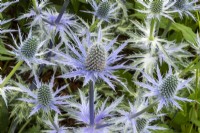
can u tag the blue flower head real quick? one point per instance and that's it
(185, 7)
(44, 99)
(92, 60)
(104, 10)
(35, 14)
(29, 50)
(165, 90)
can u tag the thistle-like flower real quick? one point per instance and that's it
(165, 89)
(53, 129)
(45, 99)
(185, 7)
(3, 6)
(157, 8)
(92, 60)
(140, 124)
(68, 21)
(80, 112)
(29, 50)
(104, 10)
(35, 14)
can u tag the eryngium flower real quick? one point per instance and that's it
(29, 50)
(68, 21)
(3, 6)
(157, 8)
(140, 124)
(165, 89)
(45, 99)
(104, 10)
(80, 112)
(35, 14)
(185, 7)
(92, 60)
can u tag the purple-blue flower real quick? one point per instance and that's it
(92, 60)
(44, 99)
(165, 89)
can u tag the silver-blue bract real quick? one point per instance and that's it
(185, 7)
(140, 124)
(92, 60)
(155, 9)
(44, 99)
(80, 112)
(165, 90)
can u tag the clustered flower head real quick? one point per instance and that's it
(44, 99)
(157, 8)
(185, 7)
(165, 89)
(96, 60)
(29, 49)
(104, 10)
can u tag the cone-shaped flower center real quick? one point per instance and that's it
(141, 124)
(29, 47)
(180, 4)
(96, 58)
(44, 95)
(103, 10)
(168, 87)
(156, 6)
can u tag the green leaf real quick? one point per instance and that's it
(4, 117)
(187, 32)
(75, 4)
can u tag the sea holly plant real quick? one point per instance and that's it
(99, 66)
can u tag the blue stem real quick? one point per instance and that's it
(62, 11)
(91, 103)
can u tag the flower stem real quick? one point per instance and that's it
(11, 74)
(152, 28)
(91, 103)
(21, 129)
(62, 11)
(34, 4)
(143, 111)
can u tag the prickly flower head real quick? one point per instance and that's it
(29, 50)
(155, 9)
(93, 59)
(156, 6)
(165, 89)
(103, 9)
(96, 58)
(45, 98)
